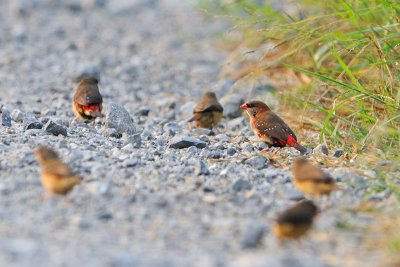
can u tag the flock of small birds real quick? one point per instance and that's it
(293, 223)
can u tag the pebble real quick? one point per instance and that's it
(257, 162)
(32, 123)
(135, 140)
(231, 103)
(253, 235)
(231, 151)
(17, 115)
(321, 149)
(201, 168)
(184, 141)
(117, 117)
(5, 119)
(55, 129)
(241, 185)
(338, 153)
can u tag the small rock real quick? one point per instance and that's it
(338, 153)
(241, 185)
(17, 115)
(253, 235)
(257, 162)
(111, 132)
(143, 111)
(202, 131)
(215, 155)
(172, 128)
(201, 168)
(5, 119)
(236, 124)
(50, 112)
(105, 216)
(117, 117)
(85, 70)
(321, 149)
(231, 151)
(231, 104)
(184, 141)
(134, 139)
(130, 163)
(32, 123)
(55, 129)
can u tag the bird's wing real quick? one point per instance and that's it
(273, 126)
(315, 174)
(58, 168)
(207, 107)
(87, 95)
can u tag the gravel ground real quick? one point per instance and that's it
(155, 192)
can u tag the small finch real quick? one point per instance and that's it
(208, 111)
(310, 179)
(87, 101)
(56, 177)
(269, 127)
(295, 221)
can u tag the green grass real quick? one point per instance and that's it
(350, 50)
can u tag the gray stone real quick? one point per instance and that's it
(85, 69)
(201, 168)
(253, 235)
(231, 104)
(257, 162)
(202, 131)
(117, 117)
(55, 129)
(237, 123)
(338, 153)
(143, 111)
(184, 141)
(135, 140)
(241, 185)
(32, 123)
(17, 115)
(231, 151)
(111, 132)
(321, 149)
(5, 119)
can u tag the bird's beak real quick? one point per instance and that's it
(244, 106)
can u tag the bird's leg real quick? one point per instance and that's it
(276, 151)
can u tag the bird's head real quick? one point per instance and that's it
(209, 95)
(43, 153)
(89, 80)
(254, 107)
(298, 163)
(308, 207)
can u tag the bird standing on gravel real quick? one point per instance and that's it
(295, 221)
(56, 177)
(88, 101)
(269, 127)
(310, 179)
(208, 111)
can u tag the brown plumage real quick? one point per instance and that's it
(56, 177)
(88, 101)
(269, 127)
(310, 179)
(295, 221)
(208, 111)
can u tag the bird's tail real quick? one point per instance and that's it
(300, 148)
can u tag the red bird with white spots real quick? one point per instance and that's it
(269, 127)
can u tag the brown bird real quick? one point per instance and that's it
(88, 101)
(295, 221)
(269, 127)
(208, 111)
(56, 177)
(310, 179)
